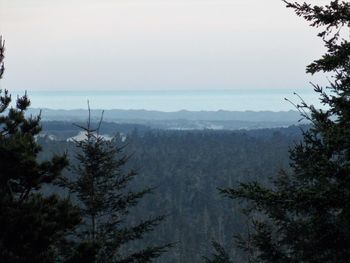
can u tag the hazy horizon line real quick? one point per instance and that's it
(162, 111)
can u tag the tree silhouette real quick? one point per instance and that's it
(305, 215)
(101, 187)
(32, 225)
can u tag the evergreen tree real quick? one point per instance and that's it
(32, 225)
(220, 255)
(105, 199)
(304, 216)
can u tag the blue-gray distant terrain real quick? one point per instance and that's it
(181, 120)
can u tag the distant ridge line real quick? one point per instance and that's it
(134, 114)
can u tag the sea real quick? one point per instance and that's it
(171, 100)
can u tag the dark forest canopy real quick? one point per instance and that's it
(187, 167)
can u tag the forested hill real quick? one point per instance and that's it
(62, 130)
(218, 120)
(187, 168)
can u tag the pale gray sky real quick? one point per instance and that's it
(155, 45)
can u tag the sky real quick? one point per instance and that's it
(156, 45)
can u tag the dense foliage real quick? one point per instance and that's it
(101, 186)
(187, 167)
(305, 215)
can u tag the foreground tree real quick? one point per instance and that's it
(32, 226)
(105, 199)
(220, 255)
(305, 215)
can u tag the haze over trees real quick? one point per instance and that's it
(301, 215)
(38, 225)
